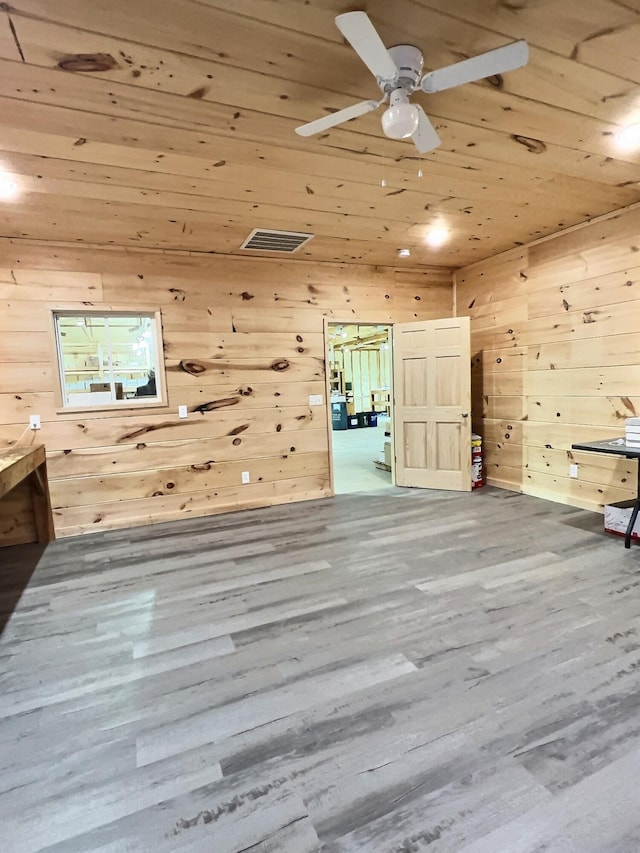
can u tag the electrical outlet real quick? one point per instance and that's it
(245, 478)
(573, 470)
(34, 421)
(315, 399)
(182, 412)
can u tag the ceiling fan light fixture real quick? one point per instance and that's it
(398, 72)
(400, 120)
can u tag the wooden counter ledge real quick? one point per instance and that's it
(24, 467)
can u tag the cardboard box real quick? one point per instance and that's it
(617, 516)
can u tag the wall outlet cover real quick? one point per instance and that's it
(183, 412)
(34, 421)
(315, 399)
(245, 478)
(573, 470)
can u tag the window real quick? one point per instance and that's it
(109, 358)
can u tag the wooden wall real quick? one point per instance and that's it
(555, 330)
(257, 327)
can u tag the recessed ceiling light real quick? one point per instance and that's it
(8, 187)
(628, 138)
(437, 236)
(404, 253)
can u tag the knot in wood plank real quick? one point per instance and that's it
(535, 146)
(194, 368)
(211, 405)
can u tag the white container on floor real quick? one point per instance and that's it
(617, 516)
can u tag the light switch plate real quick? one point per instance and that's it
(573, 470)
(245, 478)
(182, 412)
(34, 421)
(315, 399)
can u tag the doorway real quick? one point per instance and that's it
(359, 358)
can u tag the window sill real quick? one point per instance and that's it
(123, 406)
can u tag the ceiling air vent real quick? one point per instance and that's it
(268, 240)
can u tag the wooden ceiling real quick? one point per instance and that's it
(185, 139)
(360, 336)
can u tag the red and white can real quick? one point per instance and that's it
(477, 468)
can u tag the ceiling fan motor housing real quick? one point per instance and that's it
(409, 62)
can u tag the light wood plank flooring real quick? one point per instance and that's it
(398, 672)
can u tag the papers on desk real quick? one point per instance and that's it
(632, 432)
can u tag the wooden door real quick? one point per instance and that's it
(432, 411)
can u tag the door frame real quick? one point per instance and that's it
(352, 321)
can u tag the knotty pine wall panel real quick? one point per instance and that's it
(555, 331)
(244, 349)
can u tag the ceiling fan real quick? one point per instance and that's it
(398, 72)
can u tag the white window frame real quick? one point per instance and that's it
(106, 311)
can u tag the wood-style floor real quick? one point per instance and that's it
(408, 671)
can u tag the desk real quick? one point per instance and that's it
(617, 447)
(28, 465)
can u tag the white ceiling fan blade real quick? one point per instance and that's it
(425, 138)
(496, 61)
(332, 120)
(363, 37)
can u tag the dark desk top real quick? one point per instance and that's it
(616, 446)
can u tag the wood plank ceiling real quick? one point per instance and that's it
(185, 140)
